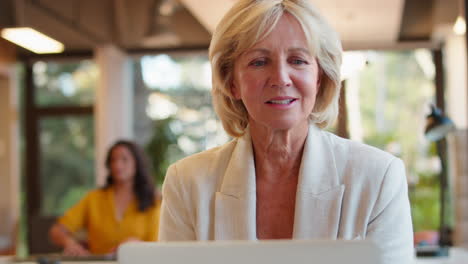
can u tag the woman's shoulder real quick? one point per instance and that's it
(360, 161)
(357, 151)
(210, 153)
(91, 199)
(203, 167)
(97, 194)
(362, 165)
(206, 159)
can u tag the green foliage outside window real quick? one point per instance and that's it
(395, 91)
(66, 141)
(178, 106)
(159, 148)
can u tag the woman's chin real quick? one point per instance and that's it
(286, 125)
(122, 180)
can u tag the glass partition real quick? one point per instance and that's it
(174, 116)
(388, 96)
(65, 83)
(67, 161)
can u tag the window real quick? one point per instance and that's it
(174, 116)
(388, 98)
(59, 142)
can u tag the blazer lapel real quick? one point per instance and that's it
(235, 211)
(319, 192)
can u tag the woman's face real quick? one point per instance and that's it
(277, 79)
(122, 165)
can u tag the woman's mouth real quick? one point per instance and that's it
(281, 102)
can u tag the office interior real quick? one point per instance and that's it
(139, 70)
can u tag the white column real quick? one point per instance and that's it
(456, 108)
(9, 159)
(456, 83)
(113, 110)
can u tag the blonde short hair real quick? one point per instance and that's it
(248, 22)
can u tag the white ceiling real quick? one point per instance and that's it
(139, 26)
(360, 23)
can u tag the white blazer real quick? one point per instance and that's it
(346, 190)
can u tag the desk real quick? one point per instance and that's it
(74, 262)
(9, 260)
(456, 256)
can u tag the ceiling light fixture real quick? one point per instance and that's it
(32, 40)
(460, 24)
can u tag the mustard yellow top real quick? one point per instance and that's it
(96, 214)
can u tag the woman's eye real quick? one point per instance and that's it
(298, 61)
(258, 63)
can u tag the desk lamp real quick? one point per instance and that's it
(437, 127)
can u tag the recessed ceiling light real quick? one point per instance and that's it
(32, 40)
(460, 26)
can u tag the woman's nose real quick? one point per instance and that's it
(280, 75)
(117, 165)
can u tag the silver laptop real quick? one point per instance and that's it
(250, 252)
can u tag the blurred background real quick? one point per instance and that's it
(139, 70)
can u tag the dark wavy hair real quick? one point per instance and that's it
(143, 185)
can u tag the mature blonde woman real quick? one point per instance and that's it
(276, 84)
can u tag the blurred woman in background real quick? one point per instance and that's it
(125, 209)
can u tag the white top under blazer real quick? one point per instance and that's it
(346, 190)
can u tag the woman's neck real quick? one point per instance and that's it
(123, 188)
(123, 196)
(277, 153)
